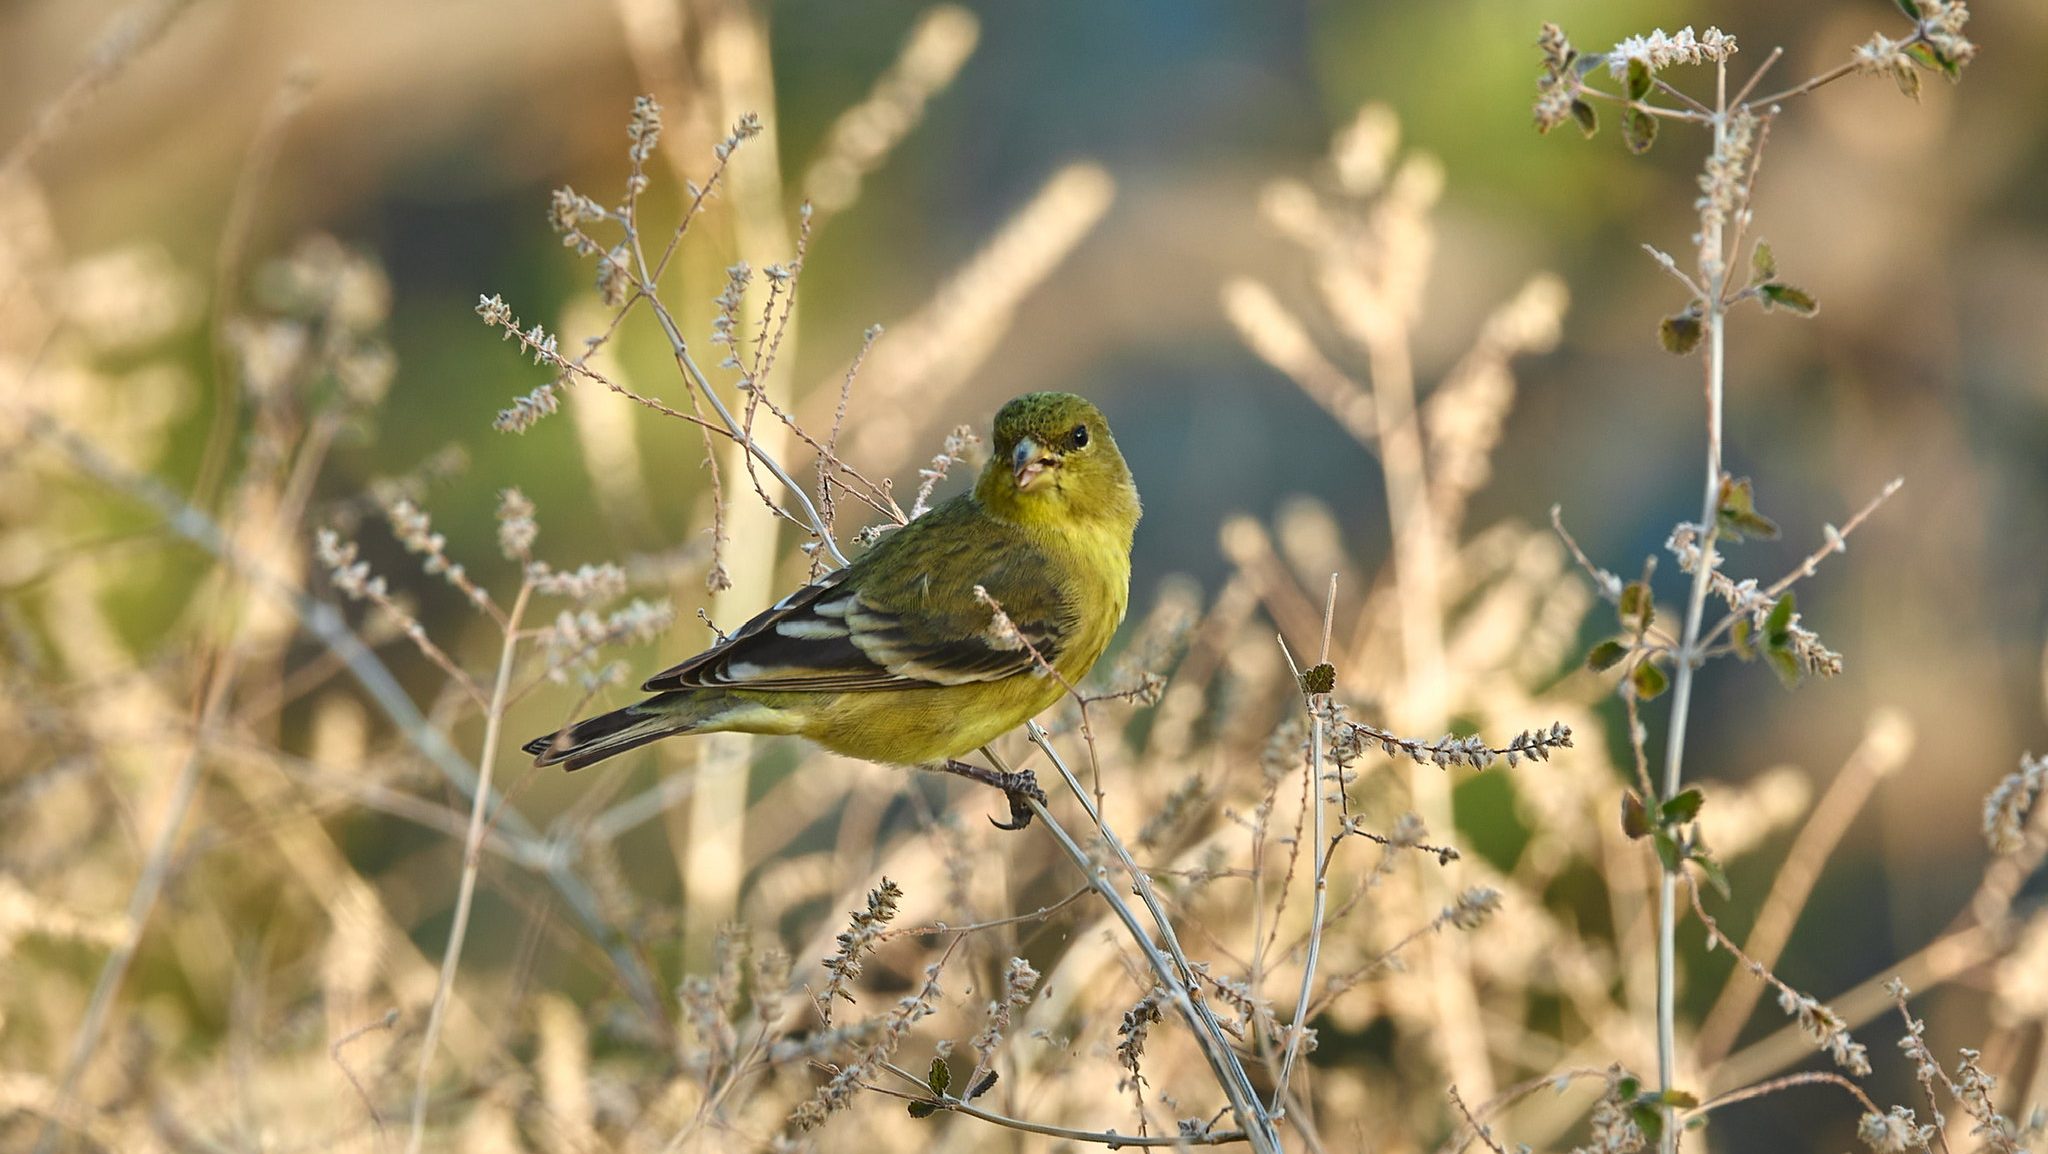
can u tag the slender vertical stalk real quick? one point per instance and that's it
(1714, 278)
(1319, 860)
(472, 855)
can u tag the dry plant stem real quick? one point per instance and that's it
(1764, 1089)
(1109, 1138)
(389, 1020)
(1688, 651)
(1316, 704)
(1039, 914)
(472, 858)
(1176, 976)
(1478, 1128)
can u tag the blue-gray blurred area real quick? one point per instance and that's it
(434, 133)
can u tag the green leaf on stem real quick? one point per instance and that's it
(1778, 625)
(1910, 7)
(1649, 681)
(1319, 679)
(1636, 607)
(1635, 819)
(1684, 807)
(1667, 850)
(1763, 264)
(1741, 637)
(1637, 84)
(1781, 295)
(1638, 129)
(1587, 119)
(1649, 1118)
(937, 1082)
(1712, 871)
(1605, 656)
(1680, 333)
(1738, 515)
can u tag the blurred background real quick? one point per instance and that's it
(429, 138)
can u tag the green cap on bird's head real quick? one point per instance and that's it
(1054, 451)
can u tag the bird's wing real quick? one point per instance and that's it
(876, 625)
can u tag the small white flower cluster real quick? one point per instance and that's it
(516, 525)
(1684, 544)
(1895, 1133)
(1132, 1035)
(747, 128)
(837, 1093)
(952, 452)
(573, 640)
(1826, 1028)
(568, 212)
(1019, 980)
(1613, 1124)
(348, 574)
(586, 583)
(2003, 1135)
(1660, 50)
(1941, 22)
(1354, 737)
(536, 340)
(1724, 186)
(527, 411)
(415, 530)
(1558, 88)
(859, 938)
(2010, 805)
(726, 327)
(644, 130)
(1472, 909)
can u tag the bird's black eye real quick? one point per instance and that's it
(1079, 437)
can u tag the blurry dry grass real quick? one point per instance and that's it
(232, 903)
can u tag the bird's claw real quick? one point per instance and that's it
(1022, 789)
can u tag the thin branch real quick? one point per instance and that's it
(389, 1020)
(1764, 1089)
(472, 857)
(1109, 1138)
(1039, 914)
(1317, 704)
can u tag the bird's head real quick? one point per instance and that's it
(1055, 460)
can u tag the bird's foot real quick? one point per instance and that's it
(1021, 788)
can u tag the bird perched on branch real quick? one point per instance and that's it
(949, 632)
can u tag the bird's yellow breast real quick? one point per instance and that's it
(923, 725)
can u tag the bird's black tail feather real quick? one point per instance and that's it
(608, 735)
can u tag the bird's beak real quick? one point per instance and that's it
(1028, 460)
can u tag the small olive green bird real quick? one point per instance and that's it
(894, 658)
